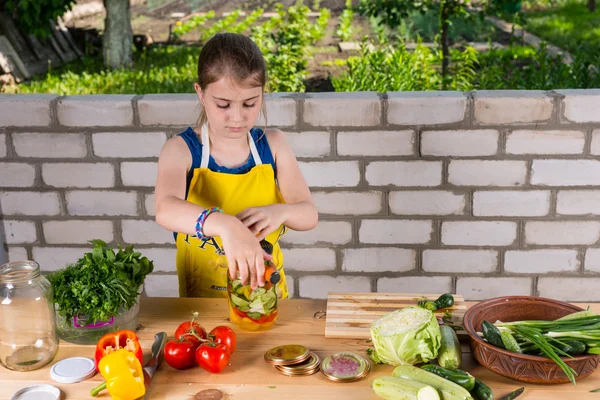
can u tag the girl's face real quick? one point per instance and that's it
(231, 110)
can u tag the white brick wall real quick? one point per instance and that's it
(101, 203)
(77, 231)
(317, 287)
(378, 259)
(376, 143)
(415, 284)
(309, 259)
(336, 174)
(149, 204)
(404, 173)
(426, 108)
(511, 203)
(483, 142)
(565, 172)
(25, 110)
(161, 285)
(143, 232)
(595, 149)
(18, 232)
(17, 254)
(139, 173)
(50, 145)
(3, 150)
(386, 231)
(540, 261)
(545, 142)
(128, 144)
(570, 289)
(79, 175)
(581, 105)
(29, 203)
(473, 288)
(348, 203)
(281, 111)
(487, 173)
(310, 144)
(172, 109)
(434, 202)
(328, 232)
(592, 260)
(16, 174)
(460, 261)
(479, 233)
(562, 232)
(105, 110)
(512, 106)
(342, 109)
(578, 202)
(55, 258)
(162, 257)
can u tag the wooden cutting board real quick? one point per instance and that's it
(349, 315)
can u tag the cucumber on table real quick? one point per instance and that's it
(394, 388)
(459, 377)
(449, 390)
(449, 355)
(481, 391)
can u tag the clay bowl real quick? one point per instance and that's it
(522, 367)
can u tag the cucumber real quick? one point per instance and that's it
(459, 377)
(481, 391)
(449, 355)
(492, 334)
(510, 343)
(393, 388)
(445, 301)
(571, 347)
(449, 390)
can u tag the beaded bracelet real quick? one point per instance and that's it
(200, 221)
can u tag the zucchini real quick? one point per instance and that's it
(571, 347)
(393, 388)
(449, 390)
(449, 355)
(492, 334)
(445, 301)
(481, 391)
(459, 377)
(510, 343)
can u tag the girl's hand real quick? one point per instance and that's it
(263, 220)
(243, 253)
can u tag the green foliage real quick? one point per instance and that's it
(192, 24)
(34, 16)
(344, 30)
(169, 69)
(101, 283)
(284, 40)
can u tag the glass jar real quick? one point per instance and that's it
(28, 338)
(254, 310)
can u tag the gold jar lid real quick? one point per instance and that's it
(310, 364)
(297, 373)
(345, 367)
(287, 354)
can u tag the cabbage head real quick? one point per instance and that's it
(406, 337)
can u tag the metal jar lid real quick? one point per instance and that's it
(345, 367)
(311, 364)
(297, 373)
(287, 354)
(37, 392)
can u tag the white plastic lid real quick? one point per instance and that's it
(37, 392)
(73, 370)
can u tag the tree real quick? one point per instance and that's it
(592, 5)
(117, 40)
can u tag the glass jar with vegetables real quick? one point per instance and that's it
(28, 338)
(254, 310)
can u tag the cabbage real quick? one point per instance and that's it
(407, 336)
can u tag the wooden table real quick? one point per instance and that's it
(249, 377)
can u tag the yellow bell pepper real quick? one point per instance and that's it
(123, 374)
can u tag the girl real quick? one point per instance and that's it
(228, 185)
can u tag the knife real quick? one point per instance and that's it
(160, 339)
(513, 395)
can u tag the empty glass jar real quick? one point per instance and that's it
(28, 338)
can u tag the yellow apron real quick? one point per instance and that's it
(201, 264)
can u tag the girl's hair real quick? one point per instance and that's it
(235, 56)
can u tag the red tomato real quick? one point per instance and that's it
(212, 357)
(224, 335)
(180, 354)
(190, 328)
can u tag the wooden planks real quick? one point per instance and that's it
(349, 315)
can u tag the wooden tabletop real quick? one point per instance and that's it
(249, 377)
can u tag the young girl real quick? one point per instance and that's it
(228, 185)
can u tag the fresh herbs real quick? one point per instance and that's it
(100, 283)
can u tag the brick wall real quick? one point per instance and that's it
(479, 193)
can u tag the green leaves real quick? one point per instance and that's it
(33, 16)
(100, 283)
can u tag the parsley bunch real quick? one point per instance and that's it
(100, 283)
